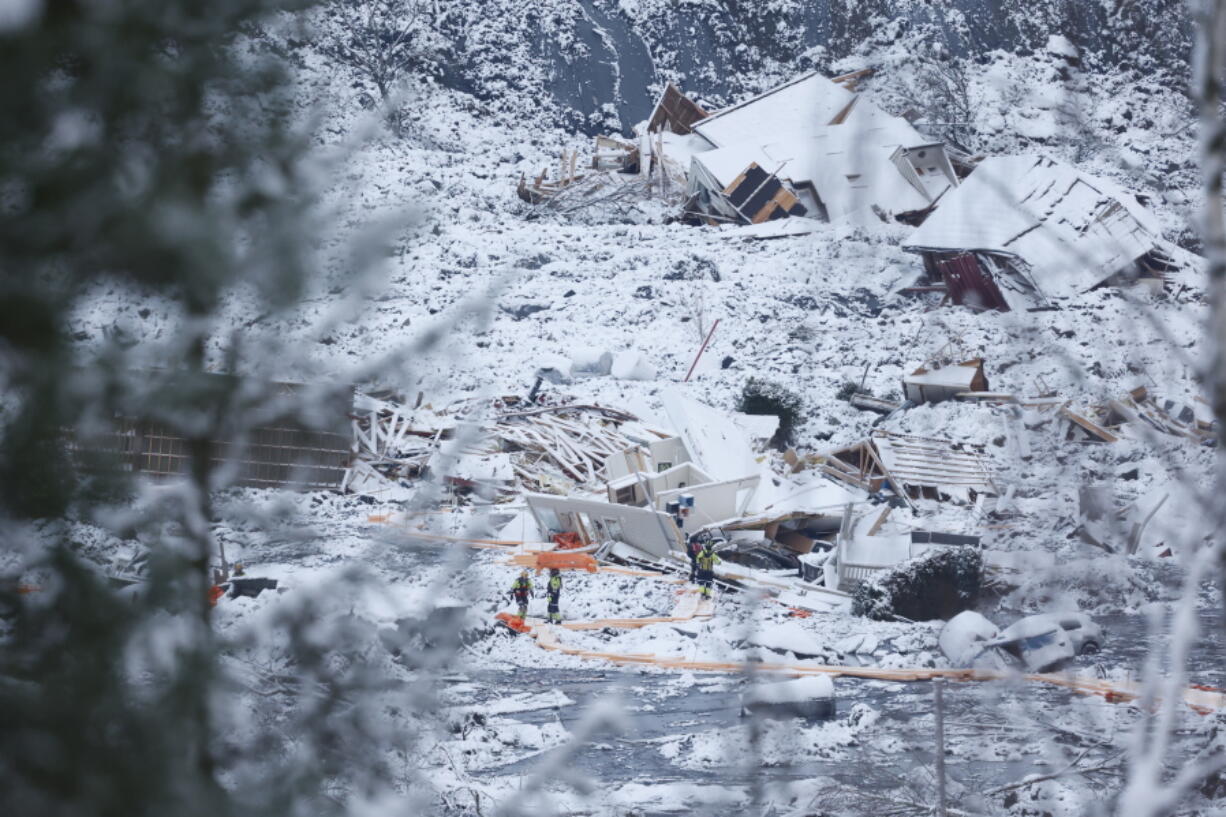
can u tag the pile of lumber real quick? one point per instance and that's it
(396, 441)
(553, 449)
(543, 189)
(1192, 422)
(577, 440)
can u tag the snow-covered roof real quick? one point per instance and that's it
(724, 164)
(1072, 230)
(793, 109)
(815, 497)
(850, 165)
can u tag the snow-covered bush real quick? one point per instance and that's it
(936, 584)
(770, 398)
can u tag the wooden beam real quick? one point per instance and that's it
(1094, 429)
(885, 512)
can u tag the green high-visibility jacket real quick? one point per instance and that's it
(522, 585)
(707, 560)
(555, 584)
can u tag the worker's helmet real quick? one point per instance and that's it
(523, 574)
(553, 571)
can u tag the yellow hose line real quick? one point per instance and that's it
(1203, 701)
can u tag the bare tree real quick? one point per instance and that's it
(379, 41)
(938, 89)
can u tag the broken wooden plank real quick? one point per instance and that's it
(1092, 428)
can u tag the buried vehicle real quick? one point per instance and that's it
(1046, 641)
(1035, 643)
(808, 697)
(964, 640)
(1086, 636)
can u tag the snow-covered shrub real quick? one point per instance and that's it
(765, 397)
(935, 585)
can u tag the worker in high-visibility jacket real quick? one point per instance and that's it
(522, 591)
(693, 547)
(554, 595)
(707, 560)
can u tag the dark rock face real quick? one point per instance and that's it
(598, 68)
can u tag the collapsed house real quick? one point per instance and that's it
(1027, 230)
(601, 483)
(913, 467)
(706, 475)
(812, 147)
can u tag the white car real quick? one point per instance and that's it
(1037, 643)
(1045, 641)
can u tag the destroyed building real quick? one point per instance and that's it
(675, 112)
(913, 467)
(1023, 231)
(813, 147)
(705, 476)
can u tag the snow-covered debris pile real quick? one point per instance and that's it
(475, 446)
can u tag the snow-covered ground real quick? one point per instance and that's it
(507, 288)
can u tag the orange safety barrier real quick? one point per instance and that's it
(560, 560)
(566, 561)
(215, 594)
(514, 622)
